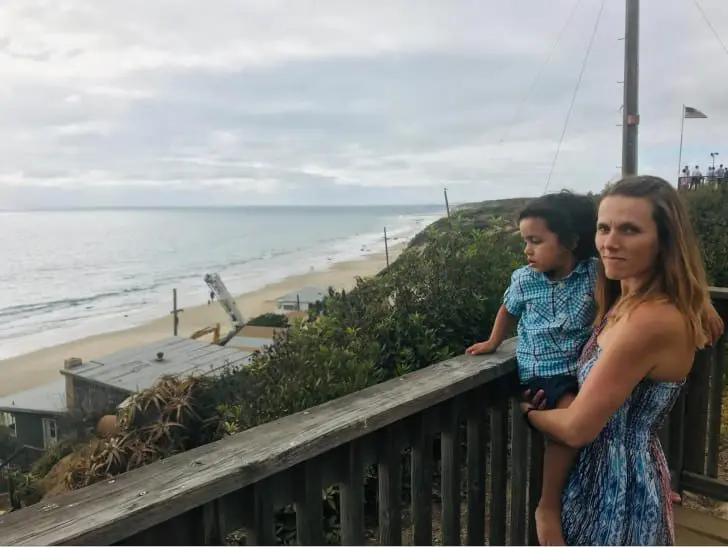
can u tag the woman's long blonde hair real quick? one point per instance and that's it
(679, 275)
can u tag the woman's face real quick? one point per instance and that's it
(627, 237)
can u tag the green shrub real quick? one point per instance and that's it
(269, 320)
(23, 487)
(435, 301)
(709, 214)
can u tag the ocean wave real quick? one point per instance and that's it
(21, 310)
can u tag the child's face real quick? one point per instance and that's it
(544, 251)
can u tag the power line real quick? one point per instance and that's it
(710, 25)
(573, 97)
(519, 110)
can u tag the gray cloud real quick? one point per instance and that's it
(323, 101)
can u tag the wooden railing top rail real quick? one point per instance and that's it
(719, 293)
(110, 511)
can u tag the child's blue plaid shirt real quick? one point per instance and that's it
(555, 318)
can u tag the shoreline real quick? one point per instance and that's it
(42, 366)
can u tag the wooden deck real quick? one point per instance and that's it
(693, 527)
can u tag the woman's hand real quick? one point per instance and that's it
(525, 407)
(537, 401)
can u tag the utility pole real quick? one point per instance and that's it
(630, 114)
(447, 204)
(386, 247)
(175, 312)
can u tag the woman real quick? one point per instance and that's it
(651, 294)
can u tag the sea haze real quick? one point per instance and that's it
(69, 274)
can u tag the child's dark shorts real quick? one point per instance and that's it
(555, 387)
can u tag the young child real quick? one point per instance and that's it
(552, 300)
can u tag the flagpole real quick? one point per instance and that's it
(682, 131)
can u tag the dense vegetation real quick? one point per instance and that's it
(269, 320)
(437, 298)
(709, 213)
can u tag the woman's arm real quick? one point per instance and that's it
(638, 343)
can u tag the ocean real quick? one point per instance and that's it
(66, 275)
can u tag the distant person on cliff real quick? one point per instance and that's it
(552, 301)
(696, 178)
(685, 178)
(653, 313)
(720, 173)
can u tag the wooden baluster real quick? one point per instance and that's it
(717, 381)
(352, 495)
(519, 475)
(307, 492)
(498, 470)
(450, 453)
(390, 487)
(476, 456)
(422, 467)
(696, 417)
(263, 529)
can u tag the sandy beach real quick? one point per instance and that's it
(42, 366)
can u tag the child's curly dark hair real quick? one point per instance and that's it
(572, 217)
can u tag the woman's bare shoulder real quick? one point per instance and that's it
(660, 320)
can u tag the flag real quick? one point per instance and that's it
(693, 113)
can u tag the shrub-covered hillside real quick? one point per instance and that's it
(475, 216)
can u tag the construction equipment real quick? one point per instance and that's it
(214, 330)
(218, 288)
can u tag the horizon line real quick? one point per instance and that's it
(269, 206)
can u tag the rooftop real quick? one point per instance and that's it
(305, 294)
(47, 399)
(135, 369)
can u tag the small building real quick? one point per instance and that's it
(34, 414)
(102, 384)
(300, 300)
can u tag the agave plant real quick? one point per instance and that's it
(172, 416)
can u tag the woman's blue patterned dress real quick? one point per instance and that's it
(618, 492)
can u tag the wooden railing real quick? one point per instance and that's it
(451, 462)
(20, 459)
(692, 436)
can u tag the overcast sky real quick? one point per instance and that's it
(164, 102)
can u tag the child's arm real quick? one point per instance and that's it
(504, 323)
(714, 322)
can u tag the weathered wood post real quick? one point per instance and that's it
(175, 312)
